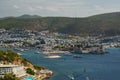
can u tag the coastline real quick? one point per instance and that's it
(44, 74)
(55, 52)
(22, 67)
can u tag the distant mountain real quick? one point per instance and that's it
(29, 16)
(105, 24)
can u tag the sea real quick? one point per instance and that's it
(88, 67)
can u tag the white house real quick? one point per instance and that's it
(15, 69)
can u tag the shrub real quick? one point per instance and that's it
(30, 71)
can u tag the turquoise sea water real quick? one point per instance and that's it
(94, 67)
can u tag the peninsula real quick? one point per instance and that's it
(14, 67)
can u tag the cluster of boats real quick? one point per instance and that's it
(20, 49)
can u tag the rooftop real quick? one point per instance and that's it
(4, 66)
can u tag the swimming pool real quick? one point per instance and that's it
(29, 78)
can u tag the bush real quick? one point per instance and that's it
(39, 67)
(42, 41)
(30, 71)
(9, 77)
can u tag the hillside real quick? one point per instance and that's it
(10, 57)
(106, 24)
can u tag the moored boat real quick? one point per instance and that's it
(37, 52)
(77, 56)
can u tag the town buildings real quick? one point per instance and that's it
(18, 70)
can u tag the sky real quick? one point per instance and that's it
(66, 8)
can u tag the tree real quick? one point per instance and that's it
(39, 67)
(30, 71)
(9, 76)
(42, 41)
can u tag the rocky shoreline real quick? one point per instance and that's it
(44, 74)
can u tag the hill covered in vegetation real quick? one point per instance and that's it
(105, 24)
(10, 57)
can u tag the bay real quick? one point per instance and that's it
(94, 67)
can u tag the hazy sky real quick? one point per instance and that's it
(72, 8)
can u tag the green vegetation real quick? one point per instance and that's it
(39, 67)
(9, 77)
(105, 24)
(42, 41)
(59, 47)
(25, 61)
(8, 56)
(30, 71)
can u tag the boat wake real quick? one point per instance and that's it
(71, 77)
